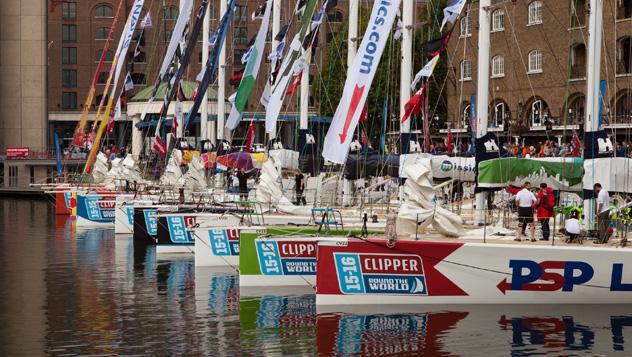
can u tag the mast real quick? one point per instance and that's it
(304, 103)
(221, 83)
(482, 92)
(204, 132)
(593, 74)
(276, 27)
(407, 66)
(352, 36)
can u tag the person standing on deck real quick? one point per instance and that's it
(546, 206)
(242, 177)
(603, 213)
(526, 200)
(299, 187)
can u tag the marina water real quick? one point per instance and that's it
(65, 292)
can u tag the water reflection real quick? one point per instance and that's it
(90, 292)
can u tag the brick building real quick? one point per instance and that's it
(538, 67)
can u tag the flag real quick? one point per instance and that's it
(116, 115)
(452, 12)
(129, 83)
(450, 142)
(146, 23)
(358, 83)
(259, 13)
(399, 29)
(159, 146)
(434, 47)
(317, 20)
(178, 114)
(237, 76)
(250, 138)
(414, 104)
(425, 72)
(277, 54)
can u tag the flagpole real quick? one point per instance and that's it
(482, 93)
(304, 104)
(204, 132)
(221, 83)
(352, 35)
(276, 27)
(406, 70)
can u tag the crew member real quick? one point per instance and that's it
(526, 200)
(603, 213)
(546, 206)
(299, 187)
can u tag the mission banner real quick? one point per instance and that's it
(560, 174)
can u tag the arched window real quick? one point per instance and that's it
(171, 13)
(624, 55)
(624, 9)
(578, 61)
(501, 114)
(498, 20)
(466, 70)
(103, 11)
(103, 77)
(466, 26)
(623, 107)
(535, 61)
(576, 109)
(465, 114)
(335, 16)
(535, 12)
(109, 56)
(538, 112)
(102, 33)
(498, 66)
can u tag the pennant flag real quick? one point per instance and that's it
(414, 104)
(250, 72)
(295, 84)
(250, 138)
(129, 83)
(258, 14)
(116, 115)
(146, 23)
(450, 142)
(359, 79)
(246, 56)
(318, 19)
(425, 72)
(159, 146)
(432, 48)
(300, 6)
(452, 12)
(235, 79)
(282, 32)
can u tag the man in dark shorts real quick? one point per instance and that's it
(299, 187)
(525, 200)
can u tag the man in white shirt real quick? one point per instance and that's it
(603, 213)
(572, 228)
(526, 200)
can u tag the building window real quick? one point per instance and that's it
(69, 78)
(578, 12)
(240, 14)
(535, 13)
(335, 16)
(168, 33)
(578, 61)
(624, 9)
(498, 66)
(69, 10)
(139, 79)
(466, 27)
(501, 113)
(103, 11)
(538, 113)
(103, 77)
(69, 100)
(13, 176)
(466, 70)
(535, 61)
(141, 57)
(69, 33)
(624, 55)
(171, 13)
(498, 20)
(109, 56)
(69, 55)
(241, 36)
(576, 110)
(102, 33)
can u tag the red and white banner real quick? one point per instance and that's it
(13, 153)
(417, 272)
(359, 79)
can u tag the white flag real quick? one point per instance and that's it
(359, 79)
(129, 83)
(452, 12)
(117, 110)
(425, 72)
(146, 23)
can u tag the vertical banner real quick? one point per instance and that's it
(359, 79)
(57, 153)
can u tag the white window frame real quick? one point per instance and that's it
(535, 13)
(466, 26)
(503, 113)
(536, 61)
(463, 71)
(498, 20)
(537, 113)
(498, 66)
(466, 115)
